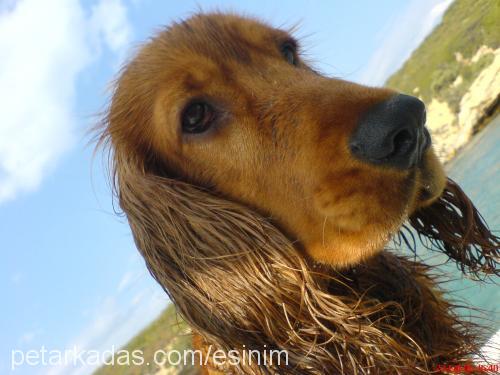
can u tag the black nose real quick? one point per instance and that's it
(392, 133)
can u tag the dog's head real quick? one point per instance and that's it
(228, 104)
(233, 159)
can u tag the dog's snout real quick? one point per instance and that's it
(392, 133)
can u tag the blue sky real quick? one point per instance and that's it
(69, 271)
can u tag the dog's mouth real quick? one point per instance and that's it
(431, 179)
(428, 190)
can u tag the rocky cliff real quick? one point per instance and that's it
(456, 72)
(452, 129)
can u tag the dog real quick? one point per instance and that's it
(263, 195)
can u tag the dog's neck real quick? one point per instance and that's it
(390, 305)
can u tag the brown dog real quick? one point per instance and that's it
(262, 194)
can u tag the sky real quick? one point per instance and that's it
(70, 275)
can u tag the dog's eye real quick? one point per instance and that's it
(197, 117)
(289, 52)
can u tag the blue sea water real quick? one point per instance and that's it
(477, 170)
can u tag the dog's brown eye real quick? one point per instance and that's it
(197, 117)
(289, 52)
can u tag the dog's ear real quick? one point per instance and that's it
(453, 225)
(202, 249)
(237, 280)
(228, 271)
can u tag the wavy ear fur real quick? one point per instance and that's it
(454, 226)
(237, 280)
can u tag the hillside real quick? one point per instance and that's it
(167, 332)
(456, 71)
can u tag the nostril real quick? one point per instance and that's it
(355, 148)
(403, 142)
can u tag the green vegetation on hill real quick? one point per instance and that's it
(167, 332)
(445, 54)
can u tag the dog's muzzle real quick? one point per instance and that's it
(392, 133)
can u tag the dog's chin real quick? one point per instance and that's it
(350, 249)
(341, 247)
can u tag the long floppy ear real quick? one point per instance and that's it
(237, 280)
(453, 225)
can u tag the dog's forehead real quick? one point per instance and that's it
(224, 36)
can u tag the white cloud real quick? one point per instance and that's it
(128, 279)
(45, 46)
(109, 23)
(401, 37)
